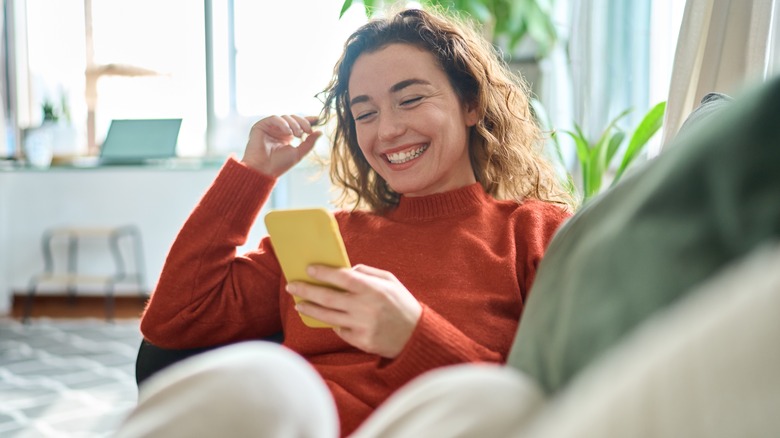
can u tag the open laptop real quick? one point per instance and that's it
(140, 141)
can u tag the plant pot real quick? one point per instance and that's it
(39, 145)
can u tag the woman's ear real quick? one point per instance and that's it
(472, 114)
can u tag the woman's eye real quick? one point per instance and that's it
(363, 116)
(411, 101)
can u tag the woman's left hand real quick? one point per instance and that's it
(373, 311)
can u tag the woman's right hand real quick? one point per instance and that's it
(269, 150)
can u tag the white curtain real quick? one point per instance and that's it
(723, 46)
(599, 68)
(7, 148)
(556, 91)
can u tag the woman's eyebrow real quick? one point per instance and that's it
(358, 99)
(394, 89)
(406, 83)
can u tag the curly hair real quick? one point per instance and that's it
(505, 145)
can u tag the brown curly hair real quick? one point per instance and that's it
(505, 144)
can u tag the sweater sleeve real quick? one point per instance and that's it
(435, 342)
(206, 295)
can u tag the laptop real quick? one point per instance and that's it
(140, 141)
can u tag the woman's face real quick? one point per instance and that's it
(411, 126)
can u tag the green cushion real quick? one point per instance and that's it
(709, 199)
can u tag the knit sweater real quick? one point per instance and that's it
(467, 258)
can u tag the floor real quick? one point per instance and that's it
(64, 376)
(63, 306)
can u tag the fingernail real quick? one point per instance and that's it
(311, 271)
(290, 288)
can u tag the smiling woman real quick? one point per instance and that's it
(452, 208)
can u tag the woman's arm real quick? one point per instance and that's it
(206, 295)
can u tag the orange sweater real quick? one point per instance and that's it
(469, 259)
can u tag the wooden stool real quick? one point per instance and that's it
(71, 279)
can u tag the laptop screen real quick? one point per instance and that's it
(138, 140)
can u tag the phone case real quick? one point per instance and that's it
(302, 237)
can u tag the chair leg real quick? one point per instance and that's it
(28, 302)
(110, 303)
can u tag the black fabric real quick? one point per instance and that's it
(151, 358)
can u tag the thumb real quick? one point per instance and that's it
(307, 145)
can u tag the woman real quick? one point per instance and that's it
(453, 205)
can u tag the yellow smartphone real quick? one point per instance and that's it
(302, 237)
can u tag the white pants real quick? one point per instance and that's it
(707, 367)
(260, 389)
(251, 389)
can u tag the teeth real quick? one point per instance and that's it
(403, 157)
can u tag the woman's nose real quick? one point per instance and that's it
(390, 126)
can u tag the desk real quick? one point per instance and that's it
(156, 199)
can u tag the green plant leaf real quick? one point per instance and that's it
(594, 157)
(518, 20)
(583, 156)
(500, 13)
(597, 163)
(592, 181)
(607, 134)
(599, 151)
(344, 7)
(614, 145)
(617, 118)
(581, 143)
(479, 11)
(540, 27)
(516, 15)
(517, 34)
(368, 5)
(649, 125)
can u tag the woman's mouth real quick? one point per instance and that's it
(407, 155)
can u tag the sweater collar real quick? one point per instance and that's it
(438, 205)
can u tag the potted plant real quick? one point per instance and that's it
(597, 156)
(50, 113)
(55, 136)
(39, 140)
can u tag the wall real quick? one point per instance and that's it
(156, 199)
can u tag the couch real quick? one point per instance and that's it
(656, 310)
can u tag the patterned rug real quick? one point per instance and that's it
(66, 378)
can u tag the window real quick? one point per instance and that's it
(283, 55)
(262, 58)
(146, 58)
(150, 60)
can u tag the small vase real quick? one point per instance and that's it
(39, 145)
